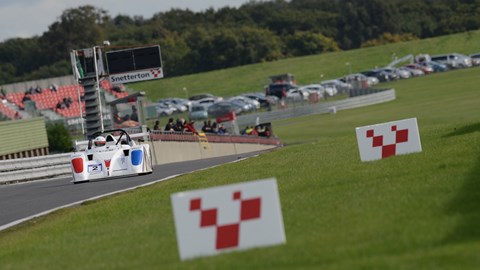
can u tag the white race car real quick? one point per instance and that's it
(111, 153)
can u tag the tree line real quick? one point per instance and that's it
(255, 32)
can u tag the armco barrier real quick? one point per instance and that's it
(324, 107)
(35, 174)
(27, 169)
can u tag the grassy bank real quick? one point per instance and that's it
(417, 211)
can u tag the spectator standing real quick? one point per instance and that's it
(157, 125)
(207, 128)
(38, 90)
(170, 125)
(267, 132)
(254, 132)
(189, 127)
(214, 127)
(26, 97)
(53, 87)
(134, 115)
(180, 125)
(117, 119)
(247, 130)
(61, 105)
(221, 129)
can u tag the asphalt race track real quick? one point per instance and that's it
(21, 201)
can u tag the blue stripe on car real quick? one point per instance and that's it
(137, 157)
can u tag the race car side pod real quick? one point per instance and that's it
(77, 164)
(137, 156)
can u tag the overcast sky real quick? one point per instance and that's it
(26, 18)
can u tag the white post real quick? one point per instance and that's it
(73, 60)
(98, 87)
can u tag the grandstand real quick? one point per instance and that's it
(107, 85)
(51, 99)
(8, 112)
(16, 98)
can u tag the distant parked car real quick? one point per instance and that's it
(465, 61)
(181, 104)
(198, 112)
(244, 105)
(297, 94)
(444, 59)
(323, 90)
(398, 73)
(272, 100)
(475, 59)
(359, 77)
(453, 60)
(203, 96)
(259, 97)
(320, 90)
(426, 70)
(253, 103)
(342, 87)
(279, 89)
(207, 101)
(164, 109)
(382, 76)
(414, 72)
(436, 67)
(222, 108)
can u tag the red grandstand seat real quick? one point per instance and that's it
(7, 111)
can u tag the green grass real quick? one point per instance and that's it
(308, 69)
(417, 211)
